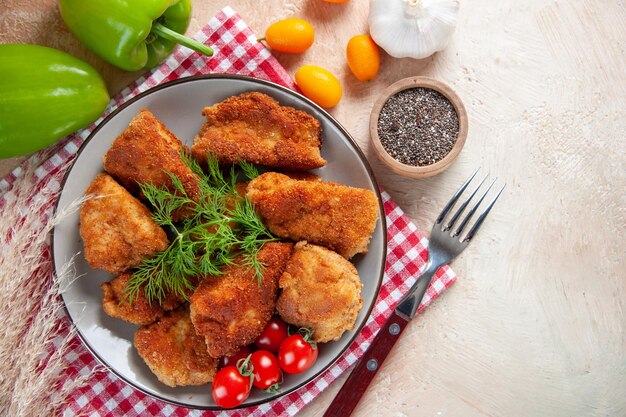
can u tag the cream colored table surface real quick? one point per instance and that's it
(535, 324)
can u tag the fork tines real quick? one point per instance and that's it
(455, 217)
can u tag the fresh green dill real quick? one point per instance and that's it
(219, 226)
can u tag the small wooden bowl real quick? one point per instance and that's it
(413, 171)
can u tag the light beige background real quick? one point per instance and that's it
(535, 324)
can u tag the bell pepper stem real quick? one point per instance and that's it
(167, 33)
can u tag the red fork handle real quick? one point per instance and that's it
(366, 368)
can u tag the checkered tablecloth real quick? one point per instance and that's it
(237, 52)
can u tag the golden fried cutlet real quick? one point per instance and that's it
(253, 127)
(321, 291)
(232, 309)
(303, 176)
(141, 311)
(117, 230)
(333, 215)
(144, 153)
(174, 352)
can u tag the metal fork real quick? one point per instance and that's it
(446, 243)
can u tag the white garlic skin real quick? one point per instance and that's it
(412, 28)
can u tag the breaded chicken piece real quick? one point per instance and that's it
(144, 153)
(117, 230)
(253, 127)
(141, 311)
(232, 309)
(302, 176)
(174, 351)
(321, 291)
(333, 215)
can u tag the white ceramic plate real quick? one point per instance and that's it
(178, 105)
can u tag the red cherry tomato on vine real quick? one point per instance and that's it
(273, 334)
(230, 387)
(232, 360)
(297, 354)
(266, 369)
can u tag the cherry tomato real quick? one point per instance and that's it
(230, 387)
(232, 360)
(296, 354)
(273, 334)
(266, 369)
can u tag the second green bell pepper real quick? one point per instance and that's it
(45, 94)
(131, 34)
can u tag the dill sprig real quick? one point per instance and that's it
(221, 225)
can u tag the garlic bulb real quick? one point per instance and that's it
(412, 28)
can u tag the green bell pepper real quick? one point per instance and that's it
(45, 94)
(131, 34)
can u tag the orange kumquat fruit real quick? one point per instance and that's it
(291, 36)
(363, 57)
(319, 85)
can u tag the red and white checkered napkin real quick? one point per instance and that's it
(237, 52)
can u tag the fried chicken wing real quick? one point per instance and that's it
(144, 153)
(117, 230)
(320, 290)
(333, 215)
(140, 311)
(253, 127)
(174, 352)
(232, 309)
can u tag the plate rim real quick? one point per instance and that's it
(295, 94)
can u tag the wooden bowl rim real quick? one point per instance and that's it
(412, 170)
